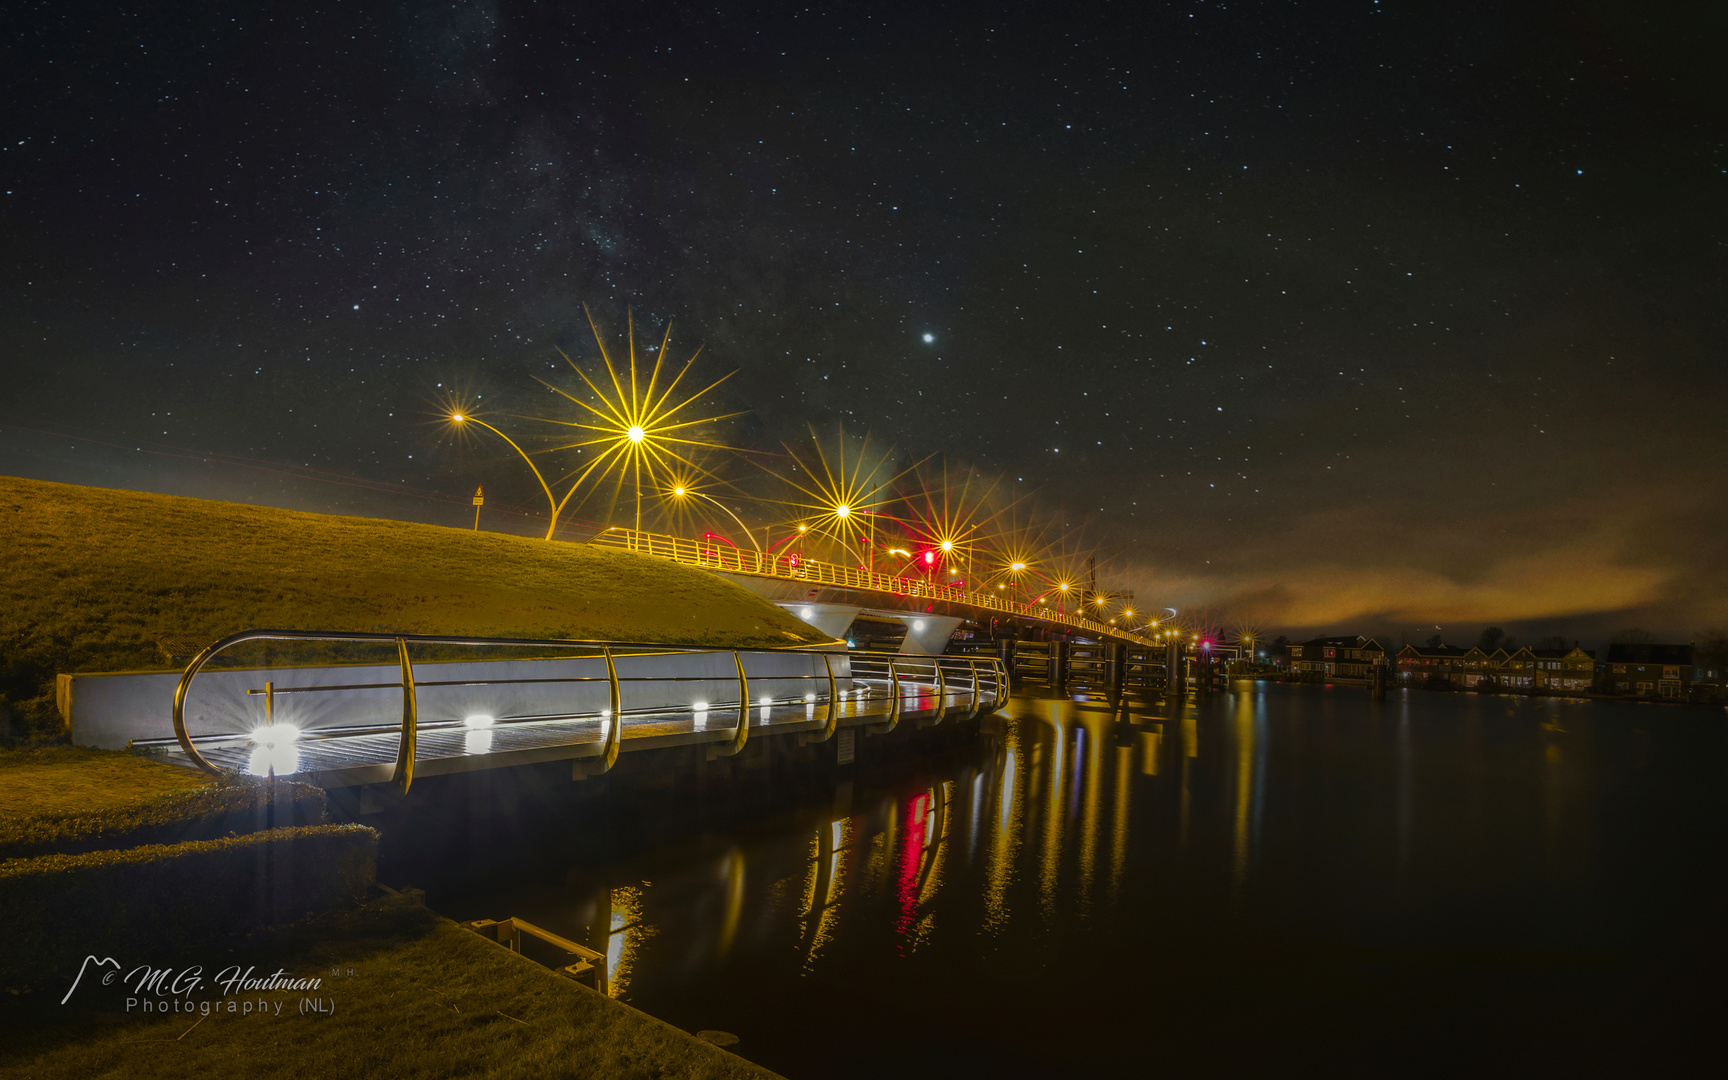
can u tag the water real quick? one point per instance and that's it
(1275, 879)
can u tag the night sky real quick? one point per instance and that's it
(1356, 317)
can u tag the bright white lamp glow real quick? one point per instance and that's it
(478, 720)
(807, 613)
(273, 750)
(842, 511)
(635, 434)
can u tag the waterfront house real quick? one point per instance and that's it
(1337, 657)
(1420, 664)
(1646, 669)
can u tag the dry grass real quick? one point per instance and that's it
(54, 780)
(427, 999)
(95, 578)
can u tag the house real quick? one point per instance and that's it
(1548, 669)
(1337, 657)
(1646, 669)
(1419, 664)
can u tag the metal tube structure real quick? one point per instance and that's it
(894, 697)
(941, 692)
(615, 728)
(404, 777)
(831, 723)
(408, 757)
(743, 732)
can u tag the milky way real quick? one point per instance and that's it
(1323, 315)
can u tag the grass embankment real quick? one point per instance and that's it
(105, 580)
(68, 800)
(53, 780)
(426, 998)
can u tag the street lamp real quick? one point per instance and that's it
(682, 492)
(460, 418)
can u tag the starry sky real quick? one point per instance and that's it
(1359, 316)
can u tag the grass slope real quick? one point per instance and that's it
(427, 999)
(52, 781)
(95, 578)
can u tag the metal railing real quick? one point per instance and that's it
(711, 556)
(894, 668)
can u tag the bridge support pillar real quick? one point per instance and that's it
(1118, 653)
(831, 619)
(1175, 677)
(1005, 650)
(928, 634)
(1058, 666)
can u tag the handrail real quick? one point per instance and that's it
(742, 732)
(941, 692)
(894, 701)
(407, 748)
(766, 564)
(404, 776)
(831, 722)
(614, 723)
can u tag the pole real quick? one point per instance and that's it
(479, 501)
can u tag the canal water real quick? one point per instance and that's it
(1274, 879)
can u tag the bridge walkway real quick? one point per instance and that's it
(346, 744)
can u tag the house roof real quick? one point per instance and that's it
(1649, 653)
(1436, 651)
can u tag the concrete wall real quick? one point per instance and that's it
(111, 709)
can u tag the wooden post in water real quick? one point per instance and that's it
(1058, 666)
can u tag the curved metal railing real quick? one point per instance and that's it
(893, 668)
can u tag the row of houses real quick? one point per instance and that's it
(1634, 670)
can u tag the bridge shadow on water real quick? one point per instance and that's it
(1268, 880)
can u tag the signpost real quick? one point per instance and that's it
(479, 501)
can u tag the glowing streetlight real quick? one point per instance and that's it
(842, 511)
(639, 425)
(685, 491)
(460, 418)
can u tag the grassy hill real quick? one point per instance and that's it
(97, 580)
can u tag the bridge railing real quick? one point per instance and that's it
(576, 680)
(713, 554)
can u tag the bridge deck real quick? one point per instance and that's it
(348, 760)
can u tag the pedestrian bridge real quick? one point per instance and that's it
(444, 705)
(797, 583)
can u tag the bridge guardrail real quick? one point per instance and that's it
(895, 668)
(710, 556)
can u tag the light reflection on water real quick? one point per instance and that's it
(1078, 851)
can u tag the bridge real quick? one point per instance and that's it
(448, 705)
(829, 596)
